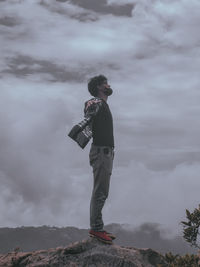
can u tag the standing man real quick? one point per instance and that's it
(101, 153)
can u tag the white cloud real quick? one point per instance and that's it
(140, 195)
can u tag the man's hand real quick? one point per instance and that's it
(91, 102)
(92, 107)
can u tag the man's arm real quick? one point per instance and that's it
(82, 132)
(92, 107)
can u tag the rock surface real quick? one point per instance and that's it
(89, 252)
(147, 235)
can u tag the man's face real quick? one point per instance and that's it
(104, 88)
(103, 85)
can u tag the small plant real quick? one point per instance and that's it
(191, 227)
(190, 234)
(181, 261)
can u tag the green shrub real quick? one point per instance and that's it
(188, 260)
(190, 234)
(191, 227)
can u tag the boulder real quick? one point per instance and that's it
(89, 252)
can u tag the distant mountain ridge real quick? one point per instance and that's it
(37, 238)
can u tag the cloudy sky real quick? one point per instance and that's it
(150, 52)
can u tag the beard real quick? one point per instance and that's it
(108, 91)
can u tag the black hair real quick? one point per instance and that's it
(94, 82)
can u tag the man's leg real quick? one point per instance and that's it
(101, 160)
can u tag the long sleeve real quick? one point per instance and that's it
(82, 132)
(92, 107)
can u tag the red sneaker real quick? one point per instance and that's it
(110, 235)
(101, 236)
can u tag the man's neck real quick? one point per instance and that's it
(104, 97)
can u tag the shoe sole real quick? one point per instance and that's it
(100, 239)
(111, 236)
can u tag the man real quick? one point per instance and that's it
(101, 153)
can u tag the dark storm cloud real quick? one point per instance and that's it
(102, 7)
(77, 13)
(24, 65)
(84, 17)
(9, 21)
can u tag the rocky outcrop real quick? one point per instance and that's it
(148, 235)
(89, 252)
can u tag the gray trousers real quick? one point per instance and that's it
(101, 160)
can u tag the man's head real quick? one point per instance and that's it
(98, 85)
